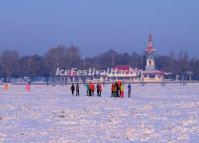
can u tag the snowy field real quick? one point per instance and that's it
(49, 114)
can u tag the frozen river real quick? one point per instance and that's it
(49, 114)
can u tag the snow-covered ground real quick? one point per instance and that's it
(49, 114)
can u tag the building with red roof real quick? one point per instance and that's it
(123, 72)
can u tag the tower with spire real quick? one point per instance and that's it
(150, 50)
(151, 74)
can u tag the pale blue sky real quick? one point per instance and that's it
(34, 26)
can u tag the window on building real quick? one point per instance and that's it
(151, 75)
(150, 63)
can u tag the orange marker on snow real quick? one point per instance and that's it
(5, 86)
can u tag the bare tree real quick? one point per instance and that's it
(55, 58)
(10, 64)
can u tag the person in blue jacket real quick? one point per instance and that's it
(129, 90)
(87, 89)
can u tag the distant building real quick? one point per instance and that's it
(150, 74)
(123, 72)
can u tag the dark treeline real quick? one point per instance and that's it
(13, 65)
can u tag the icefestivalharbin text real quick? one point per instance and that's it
(90, 71)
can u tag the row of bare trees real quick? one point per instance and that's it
(13, 65)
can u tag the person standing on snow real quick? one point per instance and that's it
(72, 88)
(129, 90)
(99, 89)
(77, 89)
(112, 90)
(122, 90)
(87, 89)
(28, 87)
(118, 88)
(92, 89)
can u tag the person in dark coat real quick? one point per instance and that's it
(113, 90)
(72, 89)
(99, 89)
(129, 90)
(89, 86)
(117, 89)
(92, 89)
(77, 89)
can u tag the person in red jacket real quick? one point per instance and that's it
(92, 86)
(28, 87)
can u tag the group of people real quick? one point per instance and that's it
(75, 88)
(117, 89)
(90, 89)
